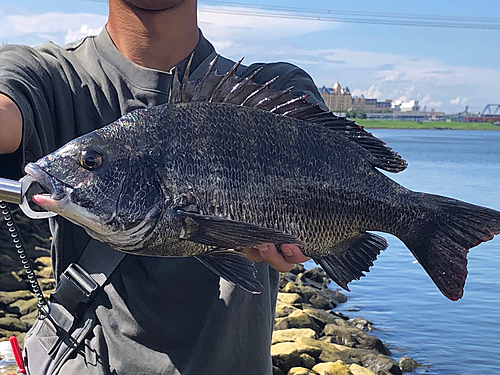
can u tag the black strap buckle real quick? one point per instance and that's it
(75, 286)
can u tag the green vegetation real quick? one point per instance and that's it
(355, 114)
(378, 124)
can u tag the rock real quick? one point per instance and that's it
(407, 364)
(2, 313)
(305, 291)
(355, 338)
(333, 352)
(7, 263)
(286, 355)
(303, 281)
(11, 281)
(47, 284)
(334, 295)
(6, 298)
(361, 323)
(289, 335)
(45, 273)
(301, 371)
(30, 318)
(283, 309)
(293, 299)
(43, 262)
(380, 363)
(315, 274)
(13, 324)
(297, 319)
(360, 370)
(332, 368)
(297, 268)
(342, 322)
(5, 334)
(307, 306)
(307, 361)
(320, 302)
(23, 307)
(324, 317)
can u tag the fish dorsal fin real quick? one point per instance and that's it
(244, 91)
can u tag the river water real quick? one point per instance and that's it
(409, 312)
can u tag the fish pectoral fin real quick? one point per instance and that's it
(230, 234)
(351, 257)
(234, 267)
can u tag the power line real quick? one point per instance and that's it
(359, 13)
(336, 15)
(330, 15)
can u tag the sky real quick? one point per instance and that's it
(445, 69)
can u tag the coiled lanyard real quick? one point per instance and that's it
(16, 192)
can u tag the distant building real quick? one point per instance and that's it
(337, 99)
(340, 100)
(409, 116)
(409, 106)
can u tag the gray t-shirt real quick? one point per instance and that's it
(157, 315)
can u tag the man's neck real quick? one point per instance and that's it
(153, 39)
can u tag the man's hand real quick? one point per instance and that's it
(11, 125)
(281, 261)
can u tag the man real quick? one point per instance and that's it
(156, 315)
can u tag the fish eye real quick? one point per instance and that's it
(90, 159)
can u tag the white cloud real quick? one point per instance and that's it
(434, 104)
(459, 101)
(372, 92)
(236, 30)
(57, 27)
(73, 36)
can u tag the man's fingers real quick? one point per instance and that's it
(282, 261)
(252, 254)
(293, 254)
(274, 258)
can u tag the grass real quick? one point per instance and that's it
(388, 124)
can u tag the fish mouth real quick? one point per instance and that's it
(55, 189)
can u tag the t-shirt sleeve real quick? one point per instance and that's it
(289, 75)
(25, 78)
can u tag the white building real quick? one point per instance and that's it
(409, 106)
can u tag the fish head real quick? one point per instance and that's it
(104, 181)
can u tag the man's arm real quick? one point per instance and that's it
(11, 125)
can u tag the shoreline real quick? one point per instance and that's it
(311, 338)
(437, 125)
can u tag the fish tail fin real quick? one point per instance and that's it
(441, 243)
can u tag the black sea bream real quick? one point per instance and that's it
(229, 163)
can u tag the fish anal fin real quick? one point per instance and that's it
(234, 267)
(352, 257)
(230, 234)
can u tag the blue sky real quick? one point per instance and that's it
(446, 69)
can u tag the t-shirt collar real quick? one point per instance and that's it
(147, 78)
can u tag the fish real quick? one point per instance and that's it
(229, 163)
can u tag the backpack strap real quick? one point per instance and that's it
(75, 290)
